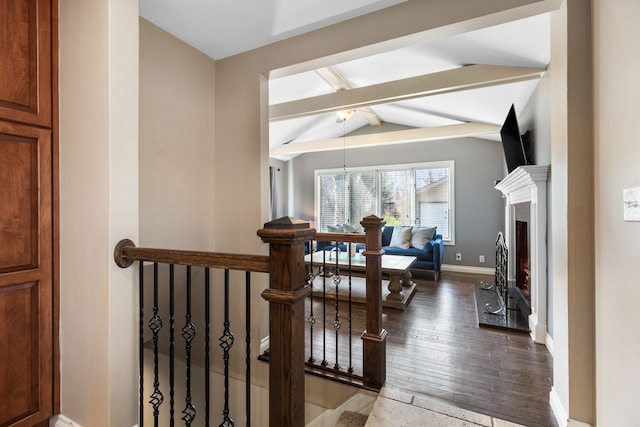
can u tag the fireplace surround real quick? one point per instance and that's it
(528, 184)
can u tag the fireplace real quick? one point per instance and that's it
(522, 258)
(525, 193)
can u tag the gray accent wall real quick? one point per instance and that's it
(479, 209)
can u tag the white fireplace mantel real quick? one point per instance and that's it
(528, 184)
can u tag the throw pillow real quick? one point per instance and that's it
(334, 229)
(421, 235)
(401, 237)
(348, 228)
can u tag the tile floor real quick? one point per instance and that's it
(399, 409)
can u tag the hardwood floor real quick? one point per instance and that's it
(436, 348)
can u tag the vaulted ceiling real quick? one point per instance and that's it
(452, 87)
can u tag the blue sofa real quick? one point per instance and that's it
(429, 257)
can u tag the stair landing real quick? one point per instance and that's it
(397, 408)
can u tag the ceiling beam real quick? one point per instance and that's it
(334, 79)
(387, 138)
(458, 79)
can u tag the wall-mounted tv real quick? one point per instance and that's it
(516, 146)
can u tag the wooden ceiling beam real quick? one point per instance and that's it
(387, 138)
(458, 79)
(334, 79)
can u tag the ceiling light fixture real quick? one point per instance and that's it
(344, 115)
(344, 145)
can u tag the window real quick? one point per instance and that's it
(420, 195)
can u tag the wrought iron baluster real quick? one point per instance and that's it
(324, 310)
(248, 347)
(350, 369)
(226, 342)
(337, 279)
(155, 324)
(311, 319)
(188, 333)
(207, 368)
(172, 324)
(141, 342)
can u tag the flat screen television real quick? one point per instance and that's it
(516, 146)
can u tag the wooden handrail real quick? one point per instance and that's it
(126, 253)
(341, 237)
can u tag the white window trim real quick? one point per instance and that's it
(424, 165)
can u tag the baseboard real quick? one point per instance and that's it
(576, 423)
(62, 421)
(549, 343)
(468, 269)
(560, 413)
(557, 408)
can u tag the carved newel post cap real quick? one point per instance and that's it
(372, 221)
(287, 222)
(287, 228)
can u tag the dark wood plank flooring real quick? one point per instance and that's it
(435, 348)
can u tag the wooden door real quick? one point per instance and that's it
(28, 217)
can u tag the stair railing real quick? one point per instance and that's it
(332, 271)
(286, 296)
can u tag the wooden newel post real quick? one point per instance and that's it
(286, 294)
(374, 338)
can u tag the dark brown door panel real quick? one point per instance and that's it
(26, 300)
(25, 61)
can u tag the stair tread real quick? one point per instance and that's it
(351, 419)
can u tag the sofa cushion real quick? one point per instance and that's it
(348, 228)
(401, 237)
(387, 231)
(421, 254)
(393, 250)
(345, 228)
(421, 235)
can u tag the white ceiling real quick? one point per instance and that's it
(220, 28)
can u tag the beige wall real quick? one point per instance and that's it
(617, 155)
(98, 207)
(176, 202)
(176, 143)
(573, 392)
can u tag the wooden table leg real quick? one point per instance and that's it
(395, 287)
(406, 279)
